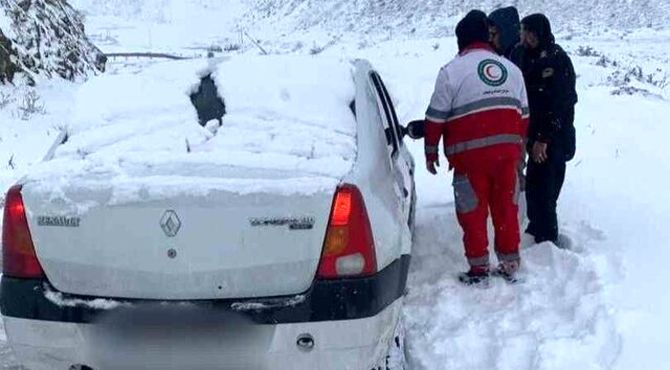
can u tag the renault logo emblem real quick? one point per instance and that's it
(170, 223)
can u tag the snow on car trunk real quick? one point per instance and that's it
(143, 202)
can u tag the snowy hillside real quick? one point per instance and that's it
(311, 26)
(600, 305)
(379, 16)
(426, 17)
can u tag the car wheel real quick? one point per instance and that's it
(396, 358)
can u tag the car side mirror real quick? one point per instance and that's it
(403, 131)
(415, 129)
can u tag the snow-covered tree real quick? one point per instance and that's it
(44, 38)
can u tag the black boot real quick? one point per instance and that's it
(507, 270)
(478, 275)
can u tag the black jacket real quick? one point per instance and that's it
(550, 82)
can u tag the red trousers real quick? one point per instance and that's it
(492, 185)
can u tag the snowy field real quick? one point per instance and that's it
(600, 305)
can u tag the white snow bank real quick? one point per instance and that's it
(555, 319)
(288, 129)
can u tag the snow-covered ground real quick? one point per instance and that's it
(600, 305)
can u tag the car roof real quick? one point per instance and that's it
(284, 116)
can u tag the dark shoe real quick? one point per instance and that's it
(476, 276)
(508, 271)
(530, 230)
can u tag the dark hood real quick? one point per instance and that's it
(507, 22)
(539, 25)
(473, 28)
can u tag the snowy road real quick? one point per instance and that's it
(7, 359)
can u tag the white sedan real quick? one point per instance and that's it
(252, 213)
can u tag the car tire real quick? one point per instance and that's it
(396, 358)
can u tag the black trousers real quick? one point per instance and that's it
(543, 187)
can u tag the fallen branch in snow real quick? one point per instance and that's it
(256, 43)
(146, 55)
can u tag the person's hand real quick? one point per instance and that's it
(431, 166)
(539, 152)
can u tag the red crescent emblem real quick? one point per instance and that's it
(489, 74)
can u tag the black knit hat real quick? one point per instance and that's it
(506, 20)
(540, 26)
(473, 28)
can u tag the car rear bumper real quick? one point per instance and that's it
(350, 320)
(326, 300)
(338, 345)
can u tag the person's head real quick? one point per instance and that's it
(504, 28)
(536, 31)
(495, 38)
(471, 29)
(529, 39)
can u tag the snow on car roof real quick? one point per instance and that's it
(288, 127)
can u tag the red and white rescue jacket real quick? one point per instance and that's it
(479, 107)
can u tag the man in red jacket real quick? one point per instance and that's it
(480, 110)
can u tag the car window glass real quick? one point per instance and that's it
(376, 116)
(391, 108)
(387, 116)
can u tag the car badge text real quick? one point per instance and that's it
(294, 223)
(59, 221)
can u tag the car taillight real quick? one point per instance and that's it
(18, 253)
(349, 248)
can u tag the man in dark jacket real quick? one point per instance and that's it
(550, 82)
(504, 30)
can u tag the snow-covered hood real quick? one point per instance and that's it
(288, 128)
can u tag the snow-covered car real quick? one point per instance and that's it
(276, 237)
